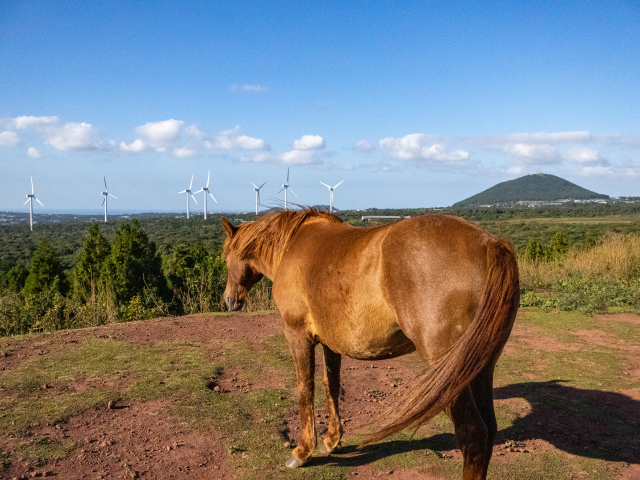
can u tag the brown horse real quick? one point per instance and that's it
(436, 284)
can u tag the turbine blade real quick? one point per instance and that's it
(183, 191)
(105, 184)
(208, 177)
(191, 184)
(26, 202)
(254, 185)
(38, 201)
(113, 196)
(281, 190)
(287, 175)
(325, 185)
(194, 199)
(261, 186)
(214, 198)
(104, 200)
(339, 183)
(294, 192)
(201, 190)
(31, 185)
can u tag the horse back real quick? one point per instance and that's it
(379, 292)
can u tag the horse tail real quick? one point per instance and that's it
(478, 347)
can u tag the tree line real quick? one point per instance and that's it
(125, 279)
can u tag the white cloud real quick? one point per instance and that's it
(32, 152)
(185, 152)
(137, 146)
(9, 139)
(363, 147)
(309, 142)
(416, 147)
(294, 157)
(533, 153)
(34, 122)
(586, 156)
(248, 88)
(196, 132)
(63, 136)
(74, 136)
(299, 157)
(166, 131)
(228, 140)
(550, 138)
(596, 171)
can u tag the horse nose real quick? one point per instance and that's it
(232, 303)
(228, 299)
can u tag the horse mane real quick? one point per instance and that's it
(267, 237)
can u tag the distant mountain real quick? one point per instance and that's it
(538, 187)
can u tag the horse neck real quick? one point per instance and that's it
(266, 268)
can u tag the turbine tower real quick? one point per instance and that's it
(206, 191)
(331, 194)
(31, 198)
(286, 187)
(257, 189)
(189, 194)
(106, 196)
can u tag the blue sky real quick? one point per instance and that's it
(412, 104)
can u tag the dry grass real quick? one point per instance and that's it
(260, 298)
(617, 257)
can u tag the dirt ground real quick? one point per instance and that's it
(142, 440)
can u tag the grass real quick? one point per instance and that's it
(43, 450)
(597, 279)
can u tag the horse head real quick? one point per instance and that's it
(241, 277)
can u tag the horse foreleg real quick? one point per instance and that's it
(331, 383)
(472, 435)
(302, 350)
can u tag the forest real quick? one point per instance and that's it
(67, 275)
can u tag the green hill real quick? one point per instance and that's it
(539, 187)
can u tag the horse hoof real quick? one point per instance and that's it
(325, 451)
(294, 462)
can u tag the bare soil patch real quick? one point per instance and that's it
(619, 317)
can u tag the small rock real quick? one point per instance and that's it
(111, 405)
(287, 444)
(167, 448)
(216, 388)
(45, 386)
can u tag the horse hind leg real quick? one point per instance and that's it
(331, 381)
(482, 389)
(472, 435)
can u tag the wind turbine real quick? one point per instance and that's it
(205, 190)
(189, 194)
(31, 198)
(286, 187)
(331, 194)
(106, 196)
(257, 189)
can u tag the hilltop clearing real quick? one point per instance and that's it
(213, 396)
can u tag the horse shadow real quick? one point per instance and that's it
(589, 423)
(352, 456)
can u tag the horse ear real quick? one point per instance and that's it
(228, 227)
